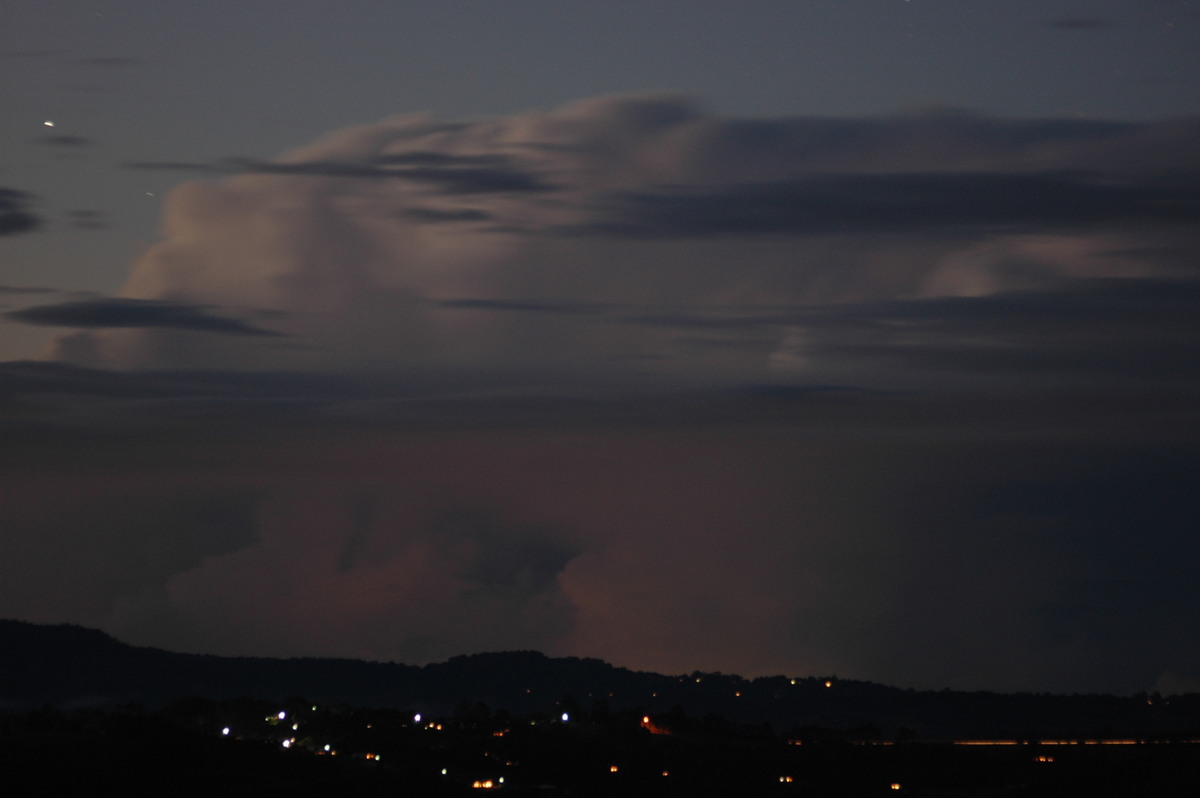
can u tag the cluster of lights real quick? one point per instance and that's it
(485, 784)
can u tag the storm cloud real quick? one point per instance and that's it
(910, 398)
(371, 242)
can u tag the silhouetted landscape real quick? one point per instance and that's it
(79, 710)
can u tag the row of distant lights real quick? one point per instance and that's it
(488, 784)
(895, 785)
(328, 749)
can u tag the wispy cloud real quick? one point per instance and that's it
(63, 140)
(15, 216)
(134, 313)
(897, 203)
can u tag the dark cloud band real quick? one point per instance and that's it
(15, 216)
(134, 313)
(852, 203)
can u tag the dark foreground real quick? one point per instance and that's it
(184, 750)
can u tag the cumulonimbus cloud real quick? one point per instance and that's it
(421, 243)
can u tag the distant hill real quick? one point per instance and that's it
(72, 667)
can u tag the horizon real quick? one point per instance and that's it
(828, 679)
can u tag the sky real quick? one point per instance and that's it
(797, 337)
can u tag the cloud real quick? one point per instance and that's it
(133, 313)
(400, 574)
(762, 531)
(827, 538)
(80, 558)
(451, 174)
(21, 289)
(633, 380)
(63, 140)
(364, 241)
(904, 203)
(14, 214)
(173, 166)
(447, 174)
(433, 215)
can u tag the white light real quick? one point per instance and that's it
(565, 717)
(225, 731)
(48, 123)
(295, 727)
(326, 746)
(417, 718)
(287, 743)
(281, 715)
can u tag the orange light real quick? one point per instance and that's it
(895, 785)
(613, 768)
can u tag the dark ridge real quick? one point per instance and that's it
(71, 667)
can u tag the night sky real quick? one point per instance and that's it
(781, 337)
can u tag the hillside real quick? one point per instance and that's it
(71, 667)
